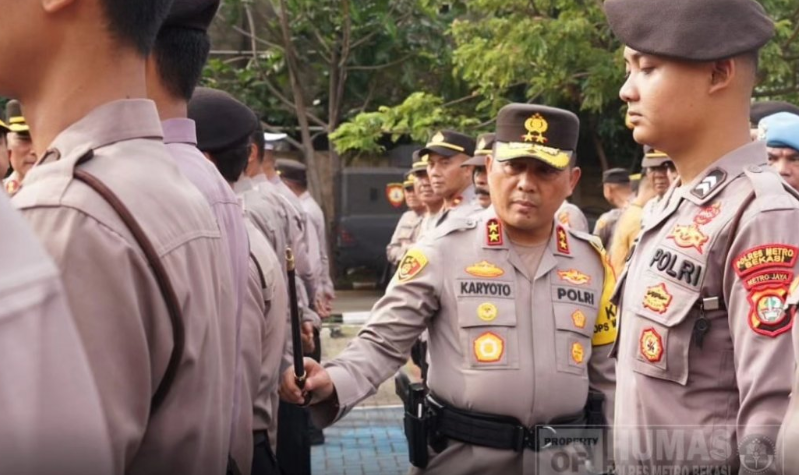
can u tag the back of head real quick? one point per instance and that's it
(136, 23)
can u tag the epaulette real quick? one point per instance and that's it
(594, 241)
(770, 190)
(453, 224)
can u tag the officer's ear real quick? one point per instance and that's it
(722, 74)
(574, 177)
(54, 6)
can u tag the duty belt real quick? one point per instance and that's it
(496, 432)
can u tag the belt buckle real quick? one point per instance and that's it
(531, 437)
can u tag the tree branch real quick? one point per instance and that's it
(382, 66)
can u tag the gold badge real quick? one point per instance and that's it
(481, 145)
(536, 128)
(579, 319)
(437, 138)
(487, 312)
(578, 352)
(12, 187)
(564, 218)
(413, 263)
(574, 277)
(494, 232)
(689, 237)
(657, 298)
(395, 194)
(489, 348)
(484, 269)
(563, 241)
(651, 345)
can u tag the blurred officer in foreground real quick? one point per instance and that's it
(781, 134)
(618, 192)
(485, 143)
(496, 372)
(224, 129)
(139, 250)
(4, 164)
(446, 152)
(42, 354)
(704, 343)
(21, 155)
(408, 225)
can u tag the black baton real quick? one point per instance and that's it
(296, 338)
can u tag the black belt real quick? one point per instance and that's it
(260, 437)
(496, 432)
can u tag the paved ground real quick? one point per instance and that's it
(370, 440)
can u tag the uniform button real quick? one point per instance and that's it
(755, 168)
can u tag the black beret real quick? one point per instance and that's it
(763, 109)
(619, 176)
(449, 143)
(14, 118)
(485, 145)
(222, 122)
(694, 30)
(194, 14)
(529, 130)
(292, 170)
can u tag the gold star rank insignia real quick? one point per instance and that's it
(494, 232)
(563, 240)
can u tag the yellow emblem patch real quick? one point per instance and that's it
(579, 319)
(489, 348)
(657, 298)
(578, 352)
(487, 312)
(484, 269)
(413, 263)
(574, 277)
(690, 236)
(651, 345)
(536, 127)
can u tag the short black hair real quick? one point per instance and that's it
(180, 55)
(231, 162)
(136, 22)
(259, 141)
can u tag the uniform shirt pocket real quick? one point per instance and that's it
(574, 327)
(488, 333)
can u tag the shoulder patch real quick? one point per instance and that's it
(411, 265)
(708, 184)
(764, 257)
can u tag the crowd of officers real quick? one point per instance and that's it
(144, 307)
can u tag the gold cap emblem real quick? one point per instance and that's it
(439, 137)
(536, 128)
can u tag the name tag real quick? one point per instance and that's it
(481, 288)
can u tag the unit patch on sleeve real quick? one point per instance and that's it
(494, 232)
(769, 315)
(769, 278)
(413, 263)
(651, 345)
(489, 348)
(657, 298)
(574, 277)
(563, 240)
(763, 257)
(690, 236)
(485, 269)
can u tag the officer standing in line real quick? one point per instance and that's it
(21, 154)
(618, 192)
(475, 283)
(139, 250)
(704, 336)
(434, 204)
(408, 225)
(446, 152)
(781, 134)
(485, 143)
(4, 164)
(264, 322)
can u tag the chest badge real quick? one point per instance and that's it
(657, 298)
(563, 240)
(489, 348)
(651, 345)
(690, 236)
(574, 277)
(579, 319)
(578, 353)
(494, 232)
(707, 214)
(487, 312)
(12, 187)
(484, 269)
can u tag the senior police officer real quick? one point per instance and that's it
(485, 144)
(474, 282)
(21, 155)
(704, 343)
(781, 134)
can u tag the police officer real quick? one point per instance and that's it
(516, 307)
(4, 164)
(704, 332)
(434, 204)
(141, 256)
(781, 134)
(485, 143)
(571, 216)
(762, 109)
(21, 155)
(446, 152)
(408, 225)
(618, 192)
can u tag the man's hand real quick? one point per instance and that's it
(322, 307)
(317, 382)
(308, 345)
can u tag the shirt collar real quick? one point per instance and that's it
(180, 131)
(723, 171)
(244, 185)
(259, 179)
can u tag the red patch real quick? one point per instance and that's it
(651, 345)
(769, 278)
(690, 236)
(765, 257)
(708, 214)
(494, 232)
(563, 241)
(769, 314)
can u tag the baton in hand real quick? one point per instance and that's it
(296, 324)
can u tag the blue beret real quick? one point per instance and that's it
(780, 130)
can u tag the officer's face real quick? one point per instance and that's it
(424, 190)
(665, 99)
(3, 156)
(21, 153)
(660, 178)
(411, 199)
(786, 162)
(447, 176)
(526, 193)
(481, 188)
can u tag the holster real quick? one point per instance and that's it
(594, 409)
(416, 425)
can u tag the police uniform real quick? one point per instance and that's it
(703, 339)
(18, 125)
(606, 223)
(571, 216)
(483, 149)
(51, 418)
(121, 313)
(510, 340)
(405, 233)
